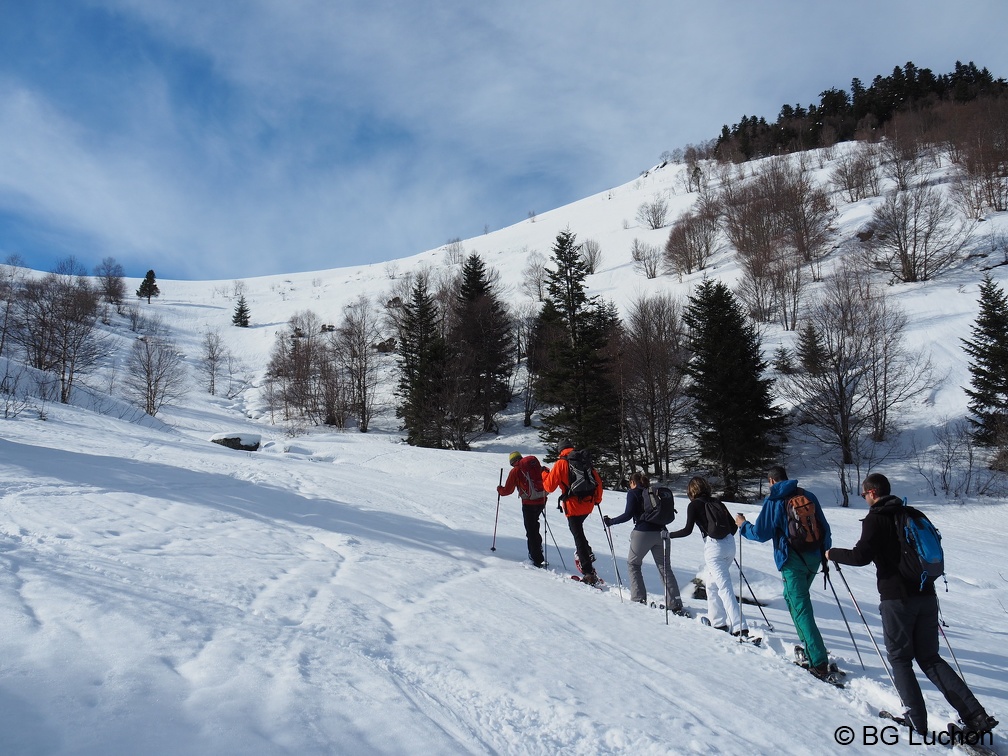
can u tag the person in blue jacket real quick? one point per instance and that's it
(798, 568)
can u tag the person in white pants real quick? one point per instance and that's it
(723, 608)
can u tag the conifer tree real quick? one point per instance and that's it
(241, 313)
(422, 369)
(733, 417)
(148, 287)
(988, 352)
(572, 368)
(482, 340)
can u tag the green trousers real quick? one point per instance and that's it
(798, 574)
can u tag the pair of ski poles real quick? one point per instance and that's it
(493, 545)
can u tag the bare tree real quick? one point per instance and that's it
(856, 174)
(901, 158)
(55, 319)
(355, 345)
(695, 236)
(111, 282)
(646, 257)
(591, 253)
(854, 368)
(916, 234)
(12, 277)
(526, 317)
(213, 359)
(155, 373)
(654, 213)
(454, 252)
(653, 383)
(534, 275)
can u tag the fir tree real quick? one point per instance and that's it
(988, 352)
(148, 287)
(733, 418)
(572, 369)
(241, 313)
(482, 340)
(422, 368)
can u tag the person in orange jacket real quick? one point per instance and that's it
(526, 475)
(576, 508)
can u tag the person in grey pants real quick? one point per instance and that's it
(646, 538)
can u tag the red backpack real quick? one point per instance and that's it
(529, 479)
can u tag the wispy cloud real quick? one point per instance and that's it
(233, 139)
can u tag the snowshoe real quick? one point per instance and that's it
(975, 741)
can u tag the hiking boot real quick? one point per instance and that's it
(722, 628)
(980, 723)
(826, 674)
(679, 610)
(589, 577)
(744, 633)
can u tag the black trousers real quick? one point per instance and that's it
(911, 634)
(531, 514)
(584, 549)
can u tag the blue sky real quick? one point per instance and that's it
(225, 139)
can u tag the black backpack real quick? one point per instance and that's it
(659, 505)
(580, 479)
(720, 523)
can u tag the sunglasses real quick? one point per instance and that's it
(864, 494)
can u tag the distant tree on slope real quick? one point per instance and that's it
(988, 353)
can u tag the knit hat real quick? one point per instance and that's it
(514, 457)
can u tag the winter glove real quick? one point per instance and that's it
(500, 490)
(607, 521)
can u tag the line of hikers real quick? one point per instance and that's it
(793, 519)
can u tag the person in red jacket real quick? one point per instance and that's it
(576, 508)
(527, 477)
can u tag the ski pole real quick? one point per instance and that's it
(741, 578)
(667, 561)
(550, 531)
(493, 546)
(870, 635)
(612, 551)
(756, 601)
(849, 631)
(949, 645)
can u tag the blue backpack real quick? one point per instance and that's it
(922, 560)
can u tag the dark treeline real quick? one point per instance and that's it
(859, 113)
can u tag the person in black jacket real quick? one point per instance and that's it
(646, 538)
(723, 609)
(909, 614)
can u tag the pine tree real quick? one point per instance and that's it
(734, 421)
(422, 369)
(988, 352)
(148, 287)
(571, 365)
(482, 339)
(241, 313)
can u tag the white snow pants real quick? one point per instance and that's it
(722, 606)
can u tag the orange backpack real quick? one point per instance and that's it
(804, 531)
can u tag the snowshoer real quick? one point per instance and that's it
(646, 538)
(723, 609)
(575, 508)
(798, 566)
(526, 476)
(909, 613)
